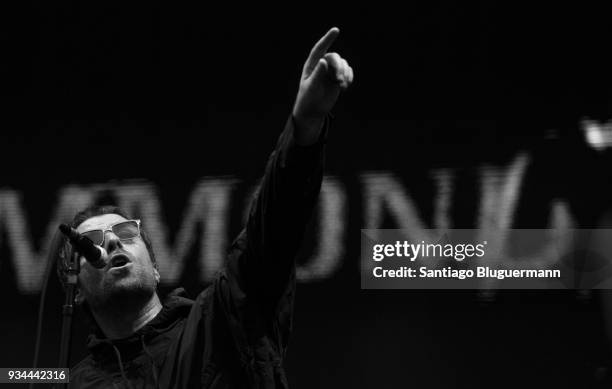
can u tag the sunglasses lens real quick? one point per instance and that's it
(126, 230)
(96, 236)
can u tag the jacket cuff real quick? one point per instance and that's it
(303, 158)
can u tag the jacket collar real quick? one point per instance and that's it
(175, 306)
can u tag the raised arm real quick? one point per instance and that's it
(264, 254)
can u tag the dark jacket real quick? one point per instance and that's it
(235, 333)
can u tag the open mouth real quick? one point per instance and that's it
(119, 260)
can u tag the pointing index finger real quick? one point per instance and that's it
(321, 47)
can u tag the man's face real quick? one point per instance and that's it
(129, 273)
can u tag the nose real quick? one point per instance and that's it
(111, 242)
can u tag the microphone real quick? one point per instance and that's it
(95, 255)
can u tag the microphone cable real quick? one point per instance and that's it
(53, 254)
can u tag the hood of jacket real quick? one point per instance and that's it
(175, 307)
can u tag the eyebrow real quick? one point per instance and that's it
(105, 227)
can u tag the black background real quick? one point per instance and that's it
(188, 91)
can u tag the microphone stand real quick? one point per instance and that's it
(72, 274)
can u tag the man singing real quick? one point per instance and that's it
(235, 333)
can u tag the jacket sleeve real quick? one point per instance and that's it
(280, 211)
(250, 303)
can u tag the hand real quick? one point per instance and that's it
(324, 75)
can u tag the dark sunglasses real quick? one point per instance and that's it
(124, 230)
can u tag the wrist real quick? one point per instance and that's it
(307, 129)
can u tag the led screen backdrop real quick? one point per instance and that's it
(460, 117)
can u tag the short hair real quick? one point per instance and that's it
(66, 250)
